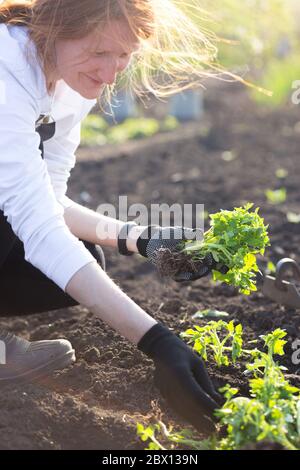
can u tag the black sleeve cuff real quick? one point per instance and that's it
(122, 238)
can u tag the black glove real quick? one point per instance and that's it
(181, 377)
(154, 238)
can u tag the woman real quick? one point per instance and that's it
(57, 57)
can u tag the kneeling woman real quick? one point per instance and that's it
(57, 57)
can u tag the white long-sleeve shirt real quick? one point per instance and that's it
(32, 190)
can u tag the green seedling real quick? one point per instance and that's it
(278, 196)
(274, 342)
(210, 313)
(149, 434)
(207, 338)
(281, 173)
(234, 240)
(96, 131)
(156, 433)
(270, 413)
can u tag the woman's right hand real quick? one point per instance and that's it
(170, 238)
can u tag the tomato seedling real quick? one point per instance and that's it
(273, 411)
(205, 338)
(270, 413)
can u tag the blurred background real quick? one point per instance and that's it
(259, 40)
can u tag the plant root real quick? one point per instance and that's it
(169, 263)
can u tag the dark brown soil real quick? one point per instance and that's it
(96, 403)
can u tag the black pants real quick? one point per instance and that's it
(25, 290)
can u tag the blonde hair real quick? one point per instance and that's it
(176, 52)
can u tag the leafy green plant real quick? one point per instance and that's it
(170, 123)
(274, 342)
(270, 413)
(234, 240)
(278, 196)
(210, 313)
(149, 434)
(96, 131)
(133, 129)
(205, 338)
(281, 173)
(158, 433)
(273, 411)
(93, 130)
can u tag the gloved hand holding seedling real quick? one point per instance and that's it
(228, 249)
(234, 240)
(163, 247)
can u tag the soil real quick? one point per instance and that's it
(96, 403)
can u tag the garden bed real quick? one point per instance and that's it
(96, 403)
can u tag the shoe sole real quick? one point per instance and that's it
(60, 362)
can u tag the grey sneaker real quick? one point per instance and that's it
(22, 360)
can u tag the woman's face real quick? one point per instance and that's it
(88, 64)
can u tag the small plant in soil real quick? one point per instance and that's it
(277, 196)
(230, 246)
(210, 313)
(160, 436)
(205, 338)
(273, 411)
(270, 414)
